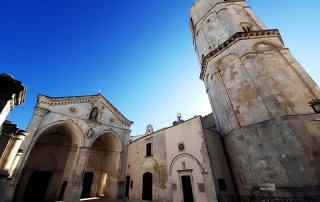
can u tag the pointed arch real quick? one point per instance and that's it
(113, 134)
(74, 131)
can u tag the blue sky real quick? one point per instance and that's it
(139, 52)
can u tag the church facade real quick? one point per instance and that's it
(77, 147)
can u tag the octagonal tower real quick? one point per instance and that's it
(259, 96)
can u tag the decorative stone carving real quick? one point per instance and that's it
(40, 111)
(73, 110)
(315, 104)
(72, 121)
(89, 134)
(174, 187)
(92, 124)
(111, 120)
(94, 114)
(98, 99)
(201, 187)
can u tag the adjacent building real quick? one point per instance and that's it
(12, 92)
(174, 163)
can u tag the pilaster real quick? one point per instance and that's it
(75, 182)
(95, 183)
(27, 144)
(52, 191)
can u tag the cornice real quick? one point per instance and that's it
(52, 101)
(105, 103)
(235, 38)
(12, 88)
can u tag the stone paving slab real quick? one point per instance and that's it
(97, 199)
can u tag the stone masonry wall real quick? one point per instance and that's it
(216, 21)
(256, 80)
(282, 153)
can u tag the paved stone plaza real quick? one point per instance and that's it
(97, 199)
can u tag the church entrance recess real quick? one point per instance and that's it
(127, 186)
(87, 183)
(187, 188)
(147, 186)
(37, 186)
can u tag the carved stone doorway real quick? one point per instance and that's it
(147, 186)
(87, 183)
(37, 186)
(127, 186)
(187, 188)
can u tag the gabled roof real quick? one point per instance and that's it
(54, 101)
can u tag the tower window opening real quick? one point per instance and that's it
(247, 27)
(148, 149)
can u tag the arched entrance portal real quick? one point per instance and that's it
(49, 163)
(37, 186)
(147, 186)
(103, 166)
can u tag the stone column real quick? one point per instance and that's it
(9, 179)
(95, 183)
(11, 151)
(23, 184)
(54, 183)
(74, 187)
(9, 155)
(15, 162)
(8, 129)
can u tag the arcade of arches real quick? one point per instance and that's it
(53, 159)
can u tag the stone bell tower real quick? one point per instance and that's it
(259, 96)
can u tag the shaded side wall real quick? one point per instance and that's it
(217, 157)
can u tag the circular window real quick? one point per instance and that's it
(181, 146)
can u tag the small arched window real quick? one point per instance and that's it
(247, 27)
